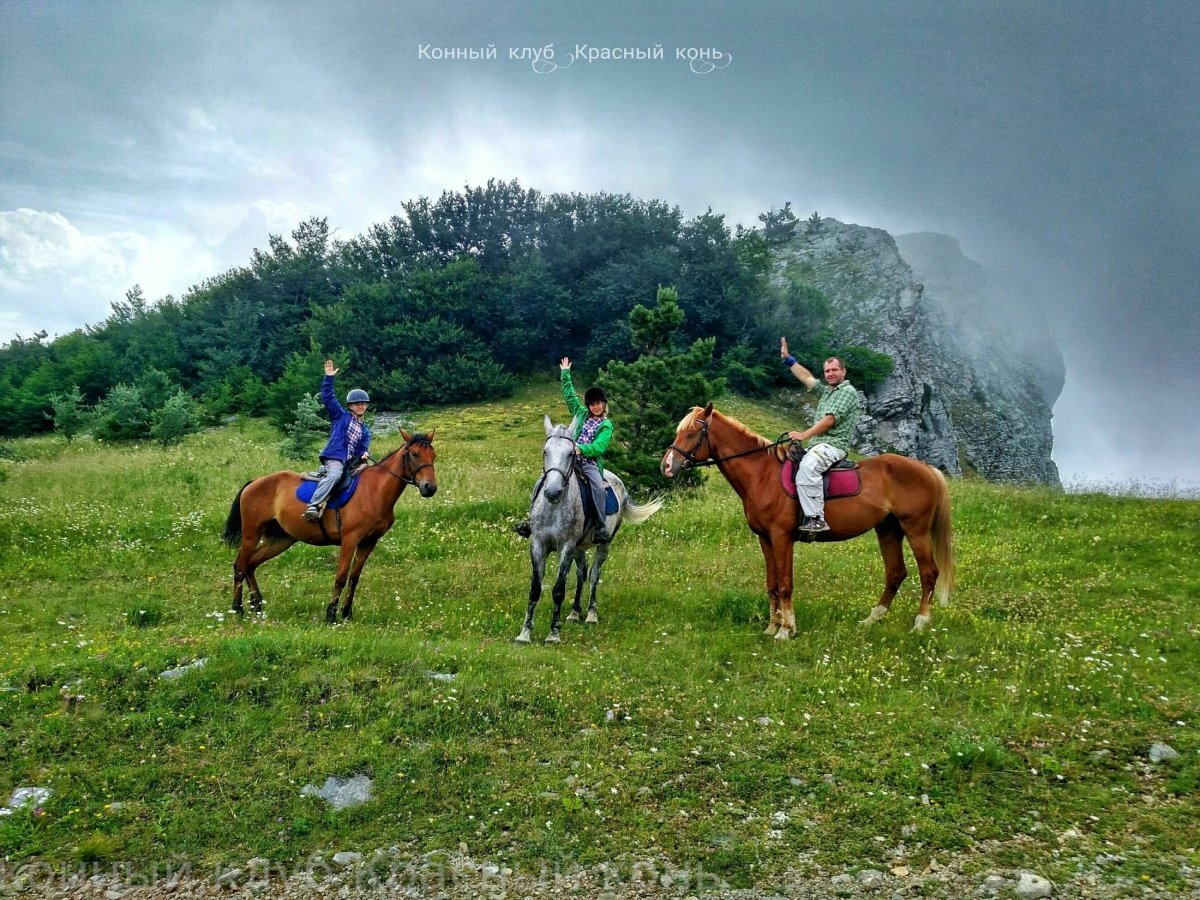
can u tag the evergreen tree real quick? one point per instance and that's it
(779, 225)
(178, 417)
(813, 224)
(303, 432)
(651, 395)
(69, 413)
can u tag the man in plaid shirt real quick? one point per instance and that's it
(837, 414)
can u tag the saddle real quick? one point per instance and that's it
(611, 505)
(840, 480)
(342, 492)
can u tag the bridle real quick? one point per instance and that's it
(411, 477)
(689, 456)
(565, 474)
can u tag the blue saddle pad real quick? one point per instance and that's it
(304, 493)
(611, 506)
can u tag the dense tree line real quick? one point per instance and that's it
(450, 301)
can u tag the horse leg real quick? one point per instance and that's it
(923, 553)
(581, 571)
(782, 545)
(601, 556)
(559, 593)
(242, 570)
(267, 550)
(891, 548)
(537, 560)
(772, 584)
(360, 559)
(339, 581)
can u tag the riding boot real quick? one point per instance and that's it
(524, 529)
(601, 535)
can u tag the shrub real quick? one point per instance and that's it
(178, 417)
(122, 415)
(69, 413)
(306, 428)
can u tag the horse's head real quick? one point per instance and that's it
(691, 444)
(419, 456)
(558, 457)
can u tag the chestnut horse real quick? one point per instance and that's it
(266, 519)
(900, 498)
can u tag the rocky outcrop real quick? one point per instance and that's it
(976, 372)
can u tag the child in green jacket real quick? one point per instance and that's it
(592, 438)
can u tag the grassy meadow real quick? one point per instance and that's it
(1015, 730)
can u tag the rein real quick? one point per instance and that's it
(411, 477)
(689, 456)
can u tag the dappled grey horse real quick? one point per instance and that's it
(558, 525)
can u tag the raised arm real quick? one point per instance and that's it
(806, 377)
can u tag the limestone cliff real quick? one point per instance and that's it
(976, 372)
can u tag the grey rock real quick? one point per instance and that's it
(346, 858)
(840, 879)
(976, 372)
(871, 879)
(23, 797)
(180, 671)
(341, 793)
(764, 721)
(994, 883)
(441, 676)
(1031, 887)
(1160, 752)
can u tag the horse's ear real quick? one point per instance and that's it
(707, 410)
(549, 426)
(404, 434)
(429, 437)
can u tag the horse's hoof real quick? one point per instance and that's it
(523, 638)
(783, 634)
(770, 630)
(920, 624)
(876, 614)
(593, 619)
(573, 617)
(553, 638)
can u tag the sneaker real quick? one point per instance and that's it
(523, 529)
(312, 514)
(814, 524)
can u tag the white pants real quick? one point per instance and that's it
(809, 486)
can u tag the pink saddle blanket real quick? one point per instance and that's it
(838, 482)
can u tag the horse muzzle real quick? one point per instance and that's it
(427, 489)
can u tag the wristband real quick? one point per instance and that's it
(789, 360)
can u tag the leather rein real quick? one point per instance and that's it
(689, 456)
(411, 477)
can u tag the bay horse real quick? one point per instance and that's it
(900, 498)
(266, 518)
(558, 523)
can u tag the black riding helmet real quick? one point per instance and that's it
(595, 394)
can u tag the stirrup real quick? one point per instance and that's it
(524, 529)
(312, 514)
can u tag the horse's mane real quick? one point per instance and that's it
(733, 423)
(415, 439)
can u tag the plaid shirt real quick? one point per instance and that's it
(840, 402)
(354, 439)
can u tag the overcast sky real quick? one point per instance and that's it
(159, 143)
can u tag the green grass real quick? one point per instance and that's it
(1072, 631)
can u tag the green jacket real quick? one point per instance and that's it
(594, 450)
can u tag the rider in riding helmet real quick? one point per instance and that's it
(592, 438)
(348, 439)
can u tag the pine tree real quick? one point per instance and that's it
(651, 395)
(308, 424)
(813, 224)
(69, 413)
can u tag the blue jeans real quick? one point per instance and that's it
(333, 474)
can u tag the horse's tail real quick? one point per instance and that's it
(636, 515)
(233, 524)
(941, 533)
